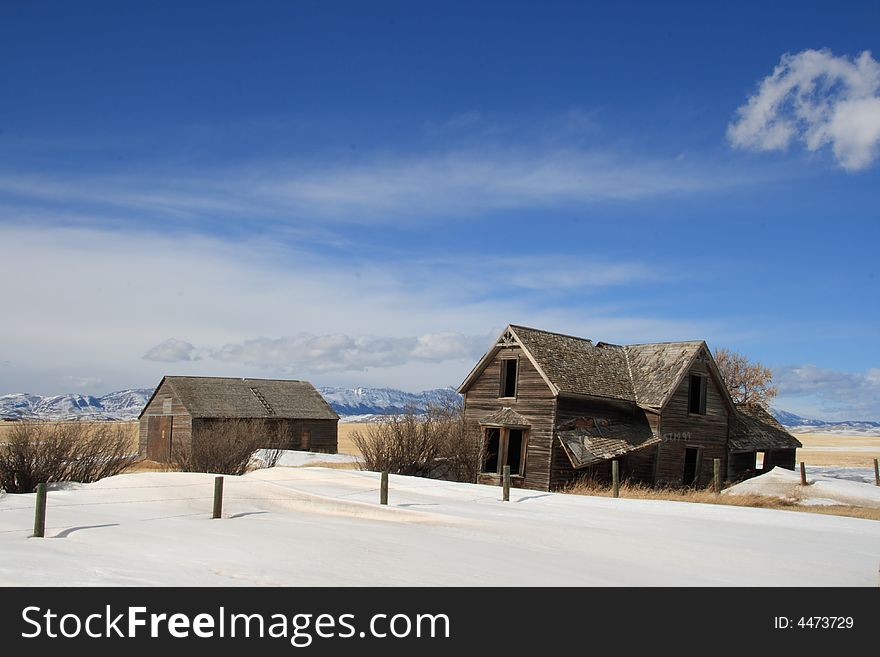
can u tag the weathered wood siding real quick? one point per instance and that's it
(534, 401)
(322, 433)
(181, 422)
(680, 429)
(637, 466)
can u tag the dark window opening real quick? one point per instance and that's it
(691, 462)
(697, 394)
(514, 450)
(492, 446)
(508, 377)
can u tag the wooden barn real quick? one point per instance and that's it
(184, 409)
(556, 407)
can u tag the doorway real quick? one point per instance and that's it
(691, 465)
(159, 438)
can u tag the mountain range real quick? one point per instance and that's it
(352, 404)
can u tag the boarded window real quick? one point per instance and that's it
(306, 439)
(166, 406)
(508, 377)
(492, 445)
(697, 394)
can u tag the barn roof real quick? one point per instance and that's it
(753, 428)
(646, 374)
(220, 397)
(589, 440)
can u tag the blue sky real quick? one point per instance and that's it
(365, 193)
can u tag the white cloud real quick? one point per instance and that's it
(306, 352)
(820, 99)
(172, 350)
(830, 394)
(95, 301)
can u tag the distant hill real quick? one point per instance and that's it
(358, 403)
(353, 404)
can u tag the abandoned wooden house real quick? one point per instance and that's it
(556, 407)
(186, 409)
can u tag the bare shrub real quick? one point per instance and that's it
(233, 446)
(34, 453)
(439, 444)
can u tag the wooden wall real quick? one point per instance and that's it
(181, 422)
(322, 433)
(680, 429)
(534, 401)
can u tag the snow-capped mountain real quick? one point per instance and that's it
(127, 404)
(120, 405)
(384, 401)
(799, 424)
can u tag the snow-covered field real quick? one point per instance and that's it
(825, 486)
(321, 526)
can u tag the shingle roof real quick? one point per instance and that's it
(753, 428)
(208, 397)
(578, 366)
(655, 368)
(641, 373)
(589, 440)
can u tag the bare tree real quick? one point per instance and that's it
(439, 444)
(748, 382)
(233, 447)
(36, 453)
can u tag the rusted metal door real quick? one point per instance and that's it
(159, 438)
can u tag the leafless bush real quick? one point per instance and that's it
(233, 446)
(439, 444)
(34, 453)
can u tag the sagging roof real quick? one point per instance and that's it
(220, 397)
(753, 429)
(590, 440)
(646, 374)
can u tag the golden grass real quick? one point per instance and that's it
(345, 445)
(707, 496)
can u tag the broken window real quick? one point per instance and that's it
(508, 377)
(697, 394)
(760, 457)
(514, 449)
(492, 447)
(503, 446)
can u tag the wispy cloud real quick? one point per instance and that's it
(406, 189)
(820, 99)
(831, 393)
(306, 352)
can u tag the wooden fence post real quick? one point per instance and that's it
(615, 478)
(383, 488)
(218, 497)
(505, 482)
(716, 472)
(40, 512)
(876, 473)
(803, 474)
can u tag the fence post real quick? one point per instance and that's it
(218, 497)
(876, 473)
(40, 512)
(716, 472)
(383, 488)
(803, 474)
(505, 481)
(615, 478)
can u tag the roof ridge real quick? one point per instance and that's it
(564, 335)
(649, 344)
(232, 378)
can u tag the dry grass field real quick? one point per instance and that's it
(850, 451)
